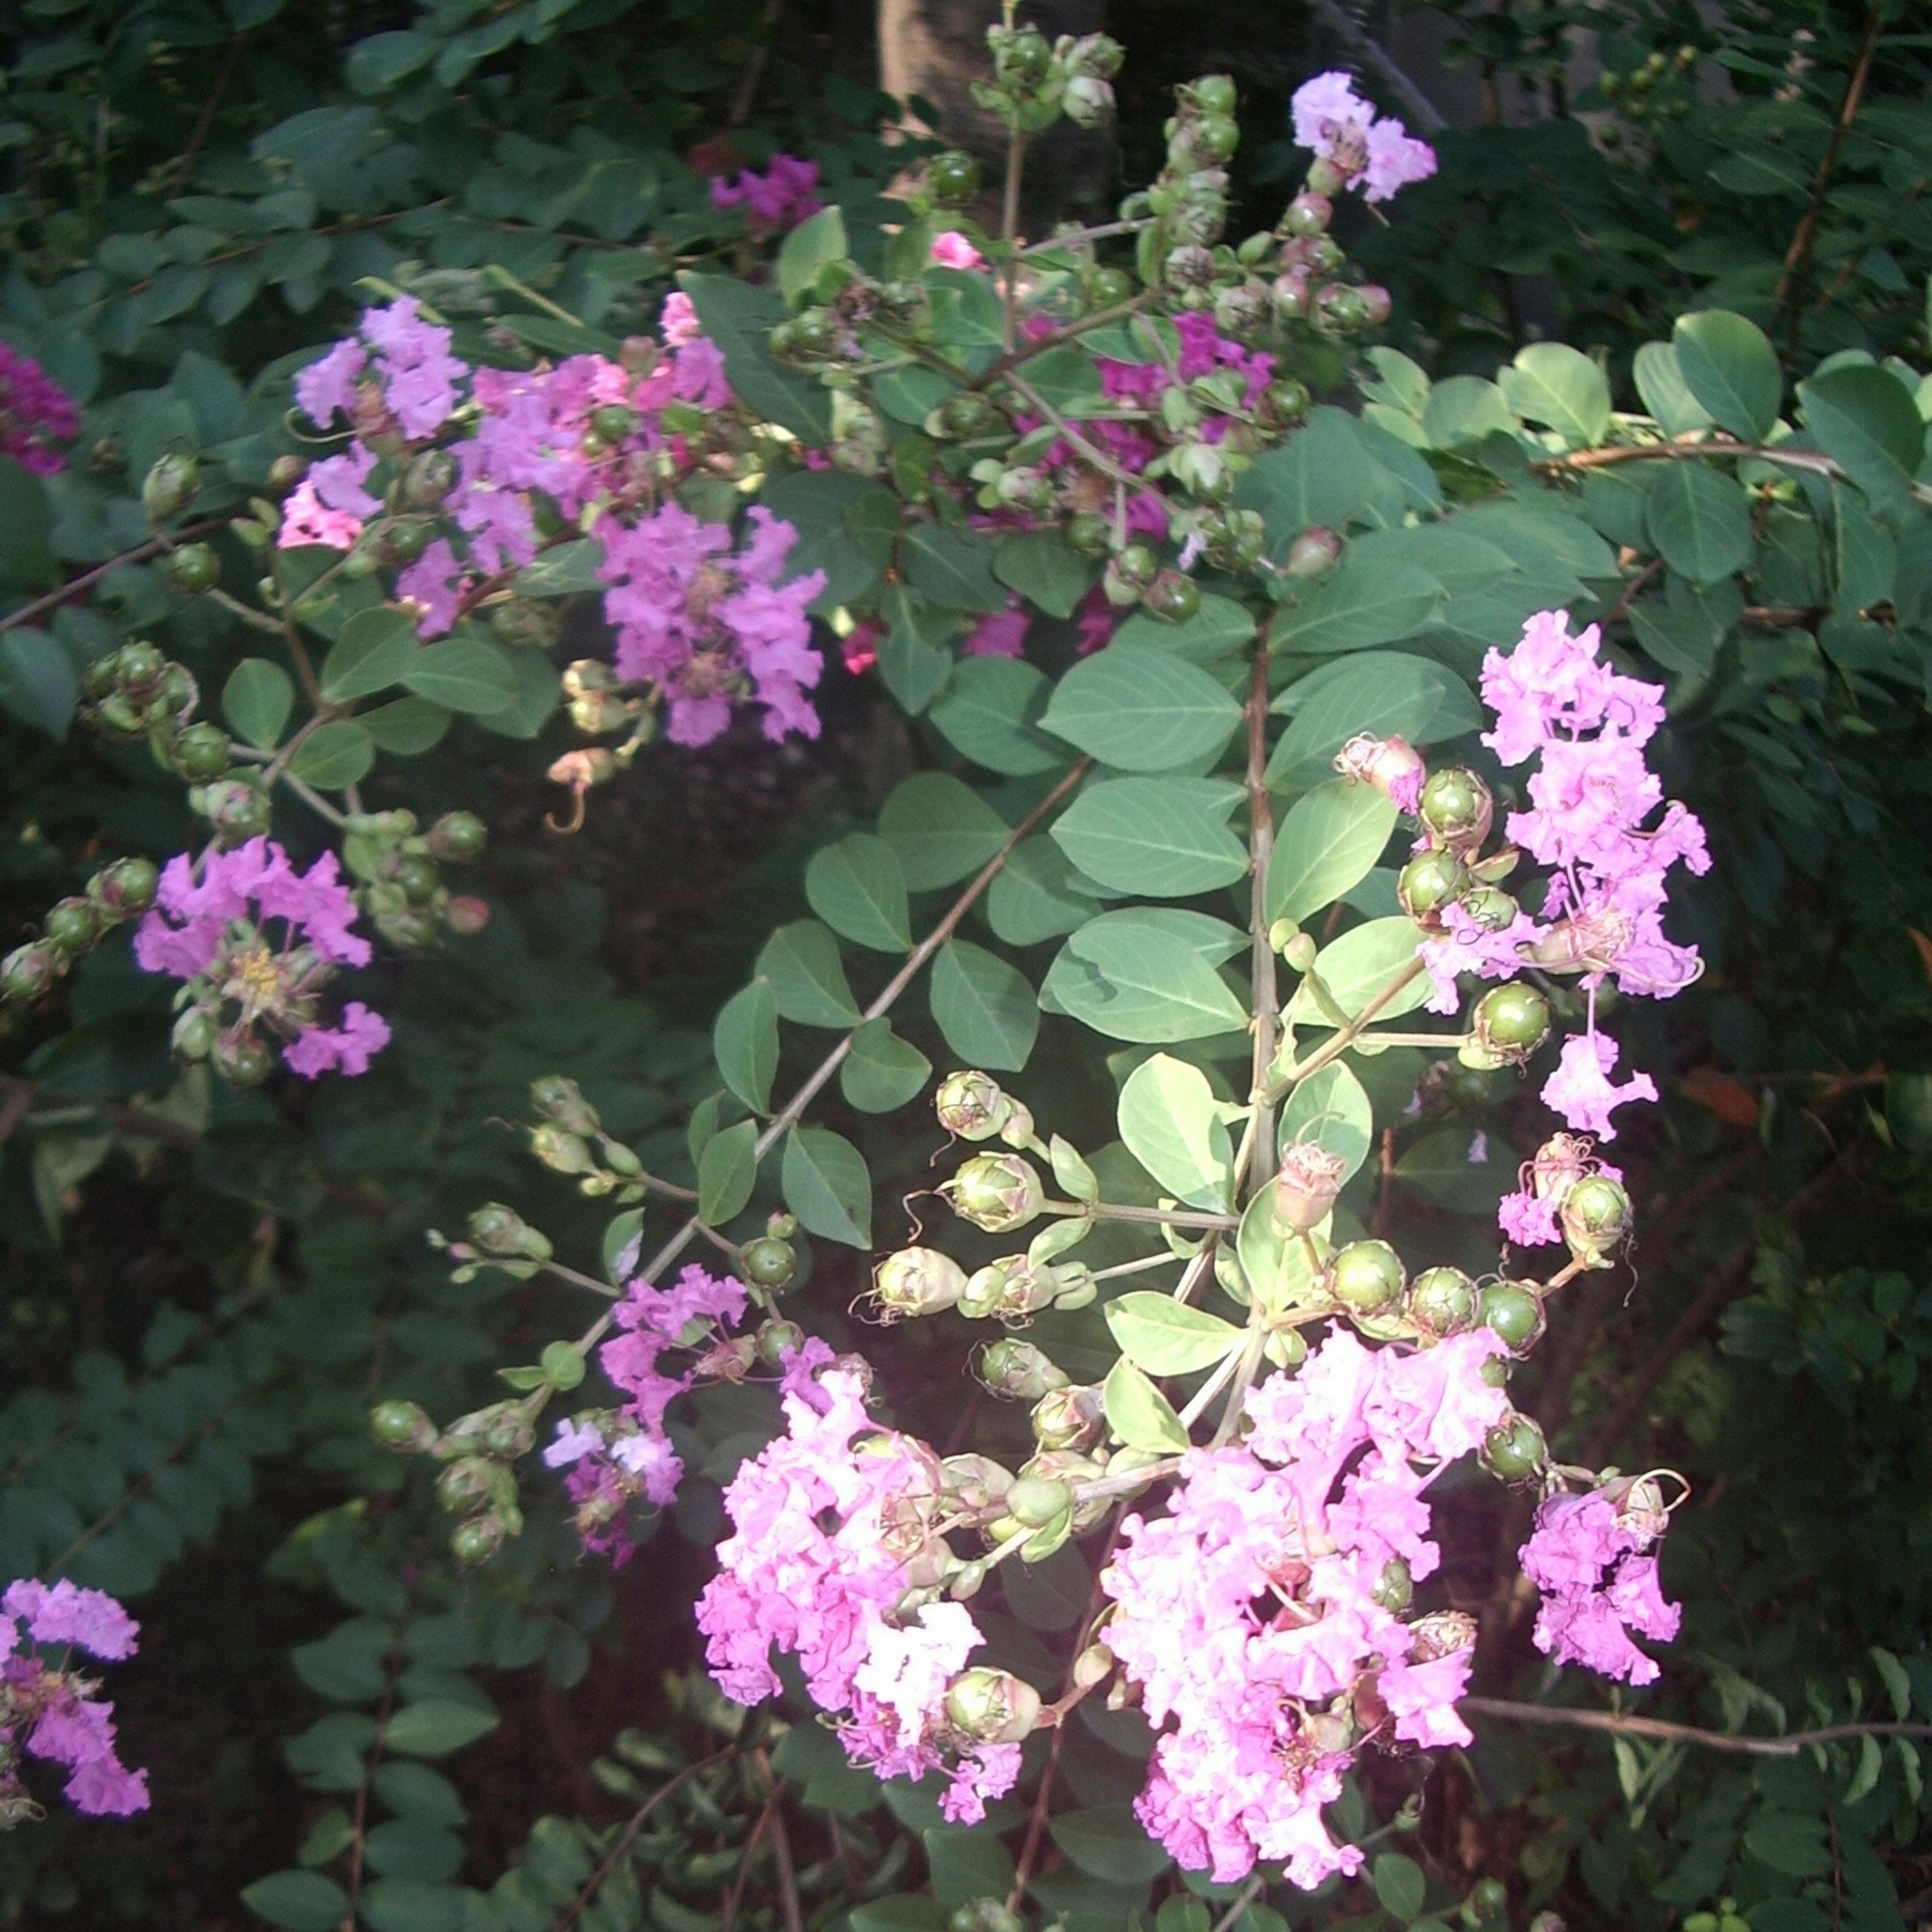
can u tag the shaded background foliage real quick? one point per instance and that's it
(204, 1289)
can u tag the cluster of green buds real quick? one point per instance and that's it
(974, 1107)
(122, 891)
(1035, 81)
(1188, 202)
(399, 867)
(138, 692)
(499, 1237)
(478, 1452)
(1661, 87)
(569, 1138)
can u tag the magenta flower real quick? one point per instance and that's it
(1587, 1555)
(1379, 156)
(951, 250)
(306, 519)
(35, 413)
(785, 195)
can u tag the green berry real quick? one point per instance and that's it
(1106, 288)
(1512, 1020)
(458, 834)
(419, 878)
(953, 177)
(241, 1060)
(1173, 595)
(966, 413)
(1442, 1301)
(1366, 1276)
(200, 752)
(73, 925)
(1515, 1449)
(194, 568)
(1456, 806)
(770, 1263)
(1430, 880)
(401, 1425)
(125, 887)
(1213, 94)
(137, 667)
(477, 1541)
(1515, 1311)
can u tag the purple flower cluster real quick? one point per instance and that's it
(833, 1556)
(50, 1710)
(1589, 1555)
(781, 197)
(706, 623)
(207, 927)
(1602, 913)
(1257, 1613)
(35, 413)
(1376, 155)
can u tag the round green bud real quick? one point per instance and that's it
(401, 1425)
(1366, 1276)
(778, 1342)
(1037, 1501)
(465, 1484)
(1429, 881)
(1596, 1217)
(168, 486)
(30, 970)
(782, 342)
(997, 1192)
(418, 878)
(1515, 1449)
(1025, 490)
(458, 834)
(993, 1706)
(1489, 1898)
(1291, 295)
(1511, 1021)
(1215, 136)
(509, 1435)
(193, 568)
(429, 479)
(1089, 534)
(770, 1263)
(561, 1100)
(479, 1540)
(124, 888)
(1324, 255)
(985, 1915)
(953, 177)
(195, 1033)
(563, 1365)
(1515, 1311)
(138, 666)
(1018, 1370)
(1313, 552)
(1490, 907)
(1212, 94)
(1394, 1588)
(917, 1281)
(241, 1060)
(967, 412)
(200, 752)
(1308, 214)
(1172, 595)
(613, 421)
(286, 472)
(1456, 806)
(1107, 288)
(238, 809)
(1069, 1418)
(815, 334)
(73, 925)
(119, 714)
(1024, 58)
(1443, 1301)
(1376, 303)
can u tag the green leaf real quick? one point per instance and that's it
(1171, 1124)
(1731, 370)
(1551, 383)
(473, 674)
(1400, 1888)
(376, 65)
(38, 684)
(953, 568)
(1866, 420)
(415, 1791)
(413, 1848)
(1864, 553)
(968, 1862)
(374, 650)
(1218, 627)
(965, 311)
(915, 659)
(1351, 609)
(881, 1072)
(745, 1041)
(739, 317)
(808, 979)
(1323, 474)
(1329, 1109)
(986, 1009)
(1357, 966)
(300, 1901)
(1160, 838)
(1107, 1842)
(941, 831)
(1140, 709)
(1700, 520)
(1133, 976)
(857, 887)
(408, 1905)
(727, 1170)
(1897, 1684)
(347, 1665)
(1051, 1595)
(1666, 395)
(827, 1186)
(814, 244)
(563, 571)
(436, 1726)
(1036, 894)
(1384, 694)
(987, 713)
(1791, 1842)
(1139, 1414)
(1462, 410)
(256, 700)
(333, 755)
(844, 524)
(1166, 1337)
(1039, 566)
(1328, 843)
(406, 725)
(1444, 1168)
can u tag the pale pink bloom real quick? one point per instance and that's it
(951, 250)
(307, 520)
(1581, 1090)
(677, 320)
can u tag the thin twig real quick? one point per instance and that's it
(1092, 451)
(1818, 464)
(86, 580)
(1260, 852)
(576, 1908)
(1240, 1903)
(1615, 1721)
(1339, 1042)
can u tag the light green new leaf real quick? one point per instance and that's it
(1731, 370)
(1148, 974)
(1160, 838)
(1139, 1414)
(882, 1072)
(1665, 394)
(1463, 409)
(1699, 520)
(812, 245)
(1166, 1337)
(1139, 709)
(744, 1042)
(828, 1186)
(985, 1008)
(942, 831)
(953, 568)
(808, 979)
(1358, 966)
(727, 1170)
(915, 659)
(857, 887)
(256, 700)
(1329, 842)
(1551, 383)
(1383, 693)
(1329, 1109)
(1171, 1123)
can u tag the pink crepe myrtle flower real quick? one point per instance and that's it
(348, 1048)
(951, 250)
(306, 519)
(1002, 633)
(785, 195)
(677, 320)
(1529, 1216)
(49, 1710)
(1377, 155)
(1581, 1090)
(1589, 1556)
(35, 414)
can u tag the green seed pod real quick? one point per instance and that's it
(1457, 807)
(241, 1060)
(769, 1262)
(29, 971)
(200, 752)
(952, 178)
(1217, 137)
(1018, 1371)
(479, 1540)
(73, 925)
(1511, 1021)
(778, 1342)
(1515, 1311)
(1366, 1277)
(1596, 1218)
(1089, 534)
(168, 486)
(502, 1231)
(967, 413)
(124, 888)
(238, 809)
(468, 1484)
(1515, 1449)
(1172, 596)
(1443, 1301)
(509, 1436)
(193, 568)
(916, 1281)
(1307, 215)
(562, 1152)
(1022, 58)
(1432, 880)
(1394, 1589)
(1490, 907)
(1313, 553)
(401, 1425)
(1108, 288)
(419, 878)
(997, 1192)
(195, 1033)
(138, 668)
(993, 1707)
(457, 834)
(1212, 93)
